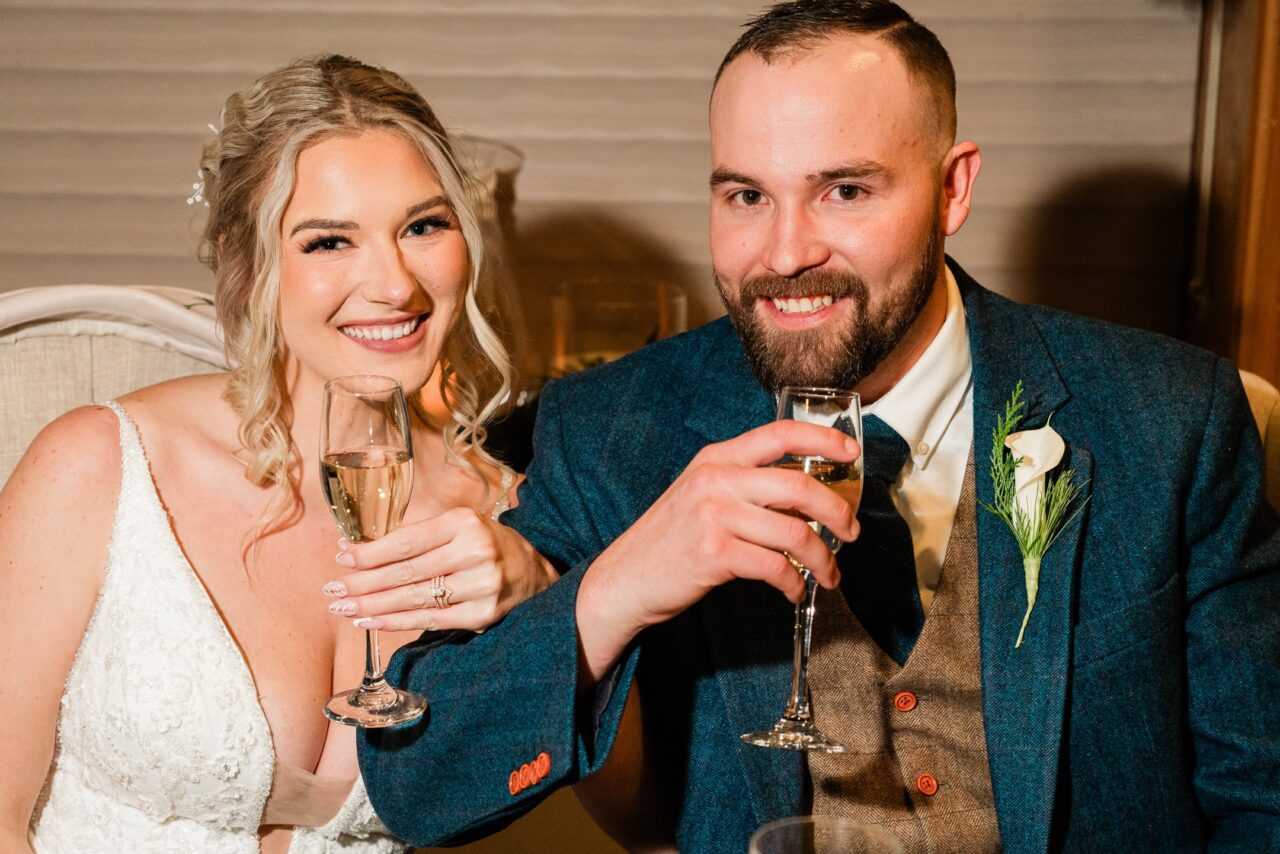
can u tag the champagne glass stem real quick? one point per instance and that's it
(798, 706)
(372, 658)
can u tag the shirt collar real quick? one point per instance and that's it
(923, 403)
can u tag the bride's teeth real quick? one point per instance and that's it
(380, 333)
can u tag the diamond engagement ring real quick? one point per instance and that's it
(439, 592)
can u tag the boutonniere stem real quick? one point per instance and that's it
(1031, 502)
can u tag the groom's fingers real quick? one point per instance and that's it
(767, 444)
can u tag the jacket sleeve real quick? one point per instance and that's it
(1233, 629)
(499, 701)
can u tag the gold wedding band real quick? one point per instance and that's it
(439, 592)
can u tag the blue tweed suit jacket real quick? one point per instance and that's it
(1141, 713)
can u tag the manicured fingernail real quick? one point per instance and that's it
(345, 559)
(343, 608)
(344, 543)
(335, 588)
(850, 444)
(367, 623)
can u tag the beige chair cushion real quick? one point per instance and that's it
(67, 346)
(1264, 400)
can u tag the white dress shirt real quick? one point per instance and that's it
(931, 408)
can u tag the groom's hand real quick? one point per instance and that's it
(728, 515)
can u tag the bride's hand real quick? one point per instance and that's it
(485, 568)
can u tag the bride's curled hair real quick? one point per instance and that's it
(248, 171)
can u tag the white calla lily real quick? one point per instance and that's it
(1037, 452)
(1033, 503)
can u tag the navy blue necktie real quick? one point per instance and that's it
(878, 570)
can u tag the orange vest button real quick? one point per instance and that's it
(927, 784)
(513, 783)
(904, 701)
(542, 764)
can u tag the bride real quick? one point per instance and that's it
(164, 654)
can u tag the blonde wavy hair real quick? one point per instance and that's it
(248, 170)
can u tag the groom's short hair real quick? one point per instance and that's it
(794, 27)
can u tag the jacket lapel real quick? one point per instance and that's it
(748, 624)
(1024, 690)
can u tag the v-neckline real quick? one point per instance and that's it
(246, 673)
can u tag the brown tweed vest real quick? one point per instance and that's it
(918, 759)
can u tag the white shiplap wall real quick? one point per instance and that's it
(1085, 112)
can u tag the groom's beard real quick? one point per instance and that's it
(830, 356)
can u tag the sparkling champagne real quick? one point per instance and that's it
(844, 479)
(368, 490)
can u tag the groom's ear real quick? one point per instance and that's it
(960, 171)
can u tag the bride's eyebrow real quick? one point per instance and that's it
(433, 202)
(325, 225)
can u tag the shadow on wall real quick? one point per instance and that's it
(1113, 244)
(573, 246)
(583, 244)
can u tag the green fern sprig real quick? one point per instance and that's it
(1003, 461)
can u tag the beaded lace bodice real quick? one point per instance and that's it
(162, 745)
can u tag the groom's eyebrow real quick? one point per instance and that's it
(858, 170)
(728, 176)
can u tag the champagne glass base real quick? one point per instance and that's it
(381, 707)
(794, 735)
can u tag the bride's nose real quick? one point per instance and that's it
(387, 278)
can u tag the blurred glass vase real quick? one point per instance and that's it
(598, 319)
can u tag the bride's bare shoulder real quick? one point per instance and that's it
(178, 400)
(78, 452)
(183, 411)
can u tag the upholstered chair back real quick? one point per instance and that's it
(70, 345)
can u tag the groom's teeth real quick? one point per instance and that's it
(381, 333)
(803, 305)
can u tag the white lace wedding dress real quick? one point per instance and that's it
(162, 745)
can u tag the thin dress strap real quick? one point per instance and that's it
(503, 504)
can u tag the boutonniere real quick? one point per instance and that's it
(1031, 501)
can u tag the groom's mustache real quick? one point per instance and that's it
(812, 283)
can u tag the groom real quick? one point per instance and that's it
(1139, 712)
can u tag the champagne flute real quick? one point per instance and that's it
(841, 410)
(366, 462)
(820, 834)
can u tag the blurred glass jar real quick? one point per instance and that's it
(601, 318)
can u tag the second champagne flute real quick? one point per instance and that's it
(842, 411)
(366, 462)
